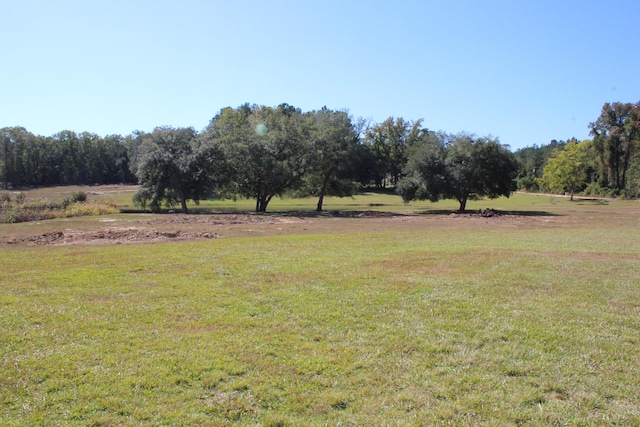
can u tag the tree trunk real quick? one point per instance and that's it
(261, 203)
(6, 165)
(463, 204)
(320, 200)
(183, 203)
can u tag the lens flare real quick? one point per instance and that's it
(261, 129)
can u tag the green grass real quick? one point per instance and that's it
(448, 325)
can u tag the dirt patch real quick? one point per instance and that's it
(146, 228)
(150, 229)
(112, 235)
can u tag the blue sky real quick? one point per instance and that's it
(523, 71)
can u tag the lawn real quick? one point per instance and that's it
(423, 318)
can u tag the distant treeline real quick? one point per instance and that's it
(352, 153)
(607, 165)
(66, 158)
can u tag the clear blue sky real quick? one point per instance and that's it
(524, 71)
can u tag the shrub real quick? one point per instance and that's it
(78, 197)
(5, 197)
(594, 189)
(10, 216)
(84, 209)
(37, 210)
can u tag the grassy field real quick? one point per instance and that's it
(424, 318)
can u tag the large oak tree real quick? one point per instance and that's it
(332, 155)
(175, 166)
(267, 149)
(461, 167)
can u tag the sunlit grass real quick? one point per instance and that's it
(442, 326)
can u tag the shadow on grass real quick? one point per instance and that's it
(287, 213)
(445, 212)
(336, 214)
(343, 214)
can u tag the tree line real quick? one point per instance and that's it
(66, 158)
(608, 165)
(261, 152)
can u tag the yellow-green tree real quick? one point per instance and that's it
(566, 170)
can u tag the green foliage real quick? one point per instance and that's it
(566, 170)
(389, 142)
(531, 163)
(460, 167)
(38, 210)
(596, 190)
(11, 216)
(79, 197)
(331, 157)
(261, 152)
(616, 139)
(266, 149)
(632, 186)
(66, 158)
(89, 209)
(175, 166)
(76, 197)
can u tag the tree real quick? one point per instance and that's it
(566, 170)
(389, 141)
(9, 141)
(531, 161)
(334, 142)
(117, 166)
(460, 167)
(175, 166)
(267, 148)
(616, 136)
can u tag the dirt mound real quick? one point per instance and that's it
(113, 235)
(154, 229)
(488, 213)
(221, 219)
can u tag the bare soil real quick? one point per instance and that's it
(147, 228)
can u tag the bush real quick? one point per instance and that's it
(11, 216)
(594, 189)
(78, 197)
(81, 209)
(37, 210)
(5, 197)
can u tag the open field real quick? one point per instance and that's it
(375, 313)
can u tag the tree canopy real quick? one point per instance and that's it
(616, 138)
(389, 142)
(566, 170)
(331, 157)
(267, 148)
(66, 158)
(461, 167)
(175, 167)
(261, 152)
